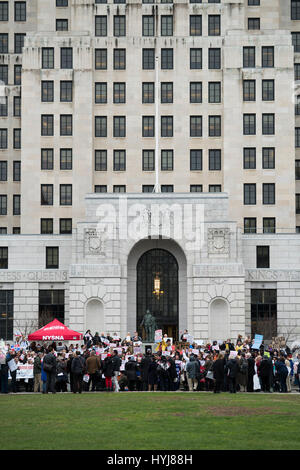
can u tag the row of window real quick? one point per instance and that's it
(16, 170)
(268, 193)
(268, 225)
(19, 11)
(16, 106)
(165, 188)
(18, 43)
(65, 194)
(16, 139)
(17, 74)
(15, 230)
(16, 204)
(52, 257)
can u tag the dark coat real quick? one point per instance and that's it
(192, 368)
(219, 369)
(152, 373)
(51, 360)
(144, 368)
(251, 366)
(232, 368)
(265, 368)
(117, 361)
(78, 365)
(131, 368)
(108, 367)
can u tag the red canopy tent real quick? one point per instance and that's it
(55, 331)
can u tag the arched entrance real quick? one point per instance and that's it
(157, 290)
(175, 252)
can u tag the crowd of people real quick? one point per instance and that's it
(107, 363)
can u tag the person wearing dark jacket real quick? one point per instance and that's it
(265, 370)
(251, 371)
(282, 372)
(152, 375)
(96, 339)
(144, 368)
(218, 368)
(108, 371)
(77, 367)
(117, 361)
(131, 368)
(49, 365)
(231, 370)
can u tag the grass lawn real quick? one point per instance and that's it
(153, 421)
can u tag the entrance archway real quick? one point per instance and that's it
(138, 250)
(158, 268)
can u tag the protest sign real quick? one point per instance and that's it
(158, 336)
(258, 339)
(24, 371)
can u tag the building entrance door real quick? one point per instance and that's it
(157, 291)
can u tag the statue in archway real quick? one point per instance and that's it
(149, 324)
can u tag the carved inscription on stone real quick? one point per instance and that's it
(218, 241)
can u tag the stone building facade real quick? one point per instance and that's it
(177, 103)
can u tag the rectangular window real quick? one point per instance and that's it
(47, 122)
(297, 169)
(101, 25)
(101, 93)
(4, 74)
(66, 91)
(214, 126)
(148, 160)
(66, 124)
(196, 188)
(66, 159)
(214, 58)
(214, 25)
(4, 43)
(3, 138)
(195, 25)
(119, 59)
(19, 42)
(268, 124)
(195, 58)
(3, 204)
(16, 204)
(167, 160)
(249, 194)
(196, 160)
(250, 225)
(167, 188)
(148, 126)
(166, 92)
(3, 258)
(268, 92)
(148, 25)
(62, 25)
(297, 137)
(249, 93)
(52, 257)
(167, 59)
(4, 106)
(20, 11)
(296, 41)
(100, 188)
(249, 124)
(253, 24)
(253, 3)
(101, 59)
(195, 92)
(100, 160)
(148, 188)
(268, 193)
(268, 158)
(17, 106)
(267, 56)
(249, 57)
(166, 126)
(3, 171)
(6, 305)
(46, 226)
(119, 95)
(3, 13)
(166, 23)
(119, 160)
(269, 225)
(66, 57)
(17, 139)
(119, 129)
(195, 126)
(214, 160)
(65, 226)
(119, 188)
(46, 159)
(263, 256)
(47, 91)
(17, 74)
(65, 194)
(295, 9)
(298, 203)
(119, 25)
(250, 158)
(214, 92)
(100, 126)
(63, 3)
(148, 95)
(214, 188)
(48, 58)
(297, 71)
(46, 194)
